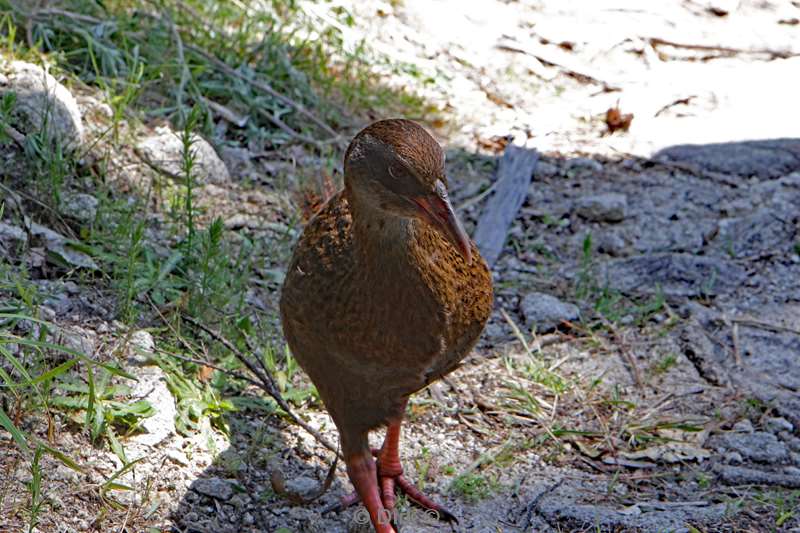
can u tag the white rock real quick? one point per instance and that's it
(41, 100)
(152, 386)
(164, 151)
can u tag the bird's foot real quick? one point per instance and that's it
(390, 477)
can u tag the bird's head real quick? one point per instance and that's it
(398, 167)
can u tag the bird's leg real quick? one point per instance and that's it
(362, 472)
(390, 473)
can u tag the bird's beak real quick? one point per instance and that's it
(438, 211)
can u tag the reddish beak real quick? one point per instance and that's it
(439, 213)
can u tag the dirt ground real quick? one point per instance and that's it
(661, 392)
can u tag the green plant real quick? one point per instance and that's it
(35, 489)
(104, 412)
(473, 486)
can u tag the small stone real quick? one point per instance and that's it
(178, 457)
(611, 244)
(164, 150)
(140, 347)
(608, 207)
(82, 207)
(583, 163)
(214, 487)
(303, 486)
(778, 424)
(12, 240)
(59, 251)
(733, 458)
(248, 519)
(743, 426)
(545, 312)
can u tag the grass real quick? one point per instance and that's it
(261, 75)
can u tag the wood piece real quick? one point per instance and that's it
(513, 179)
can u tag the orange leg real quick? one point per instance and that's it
(362, 472)
(390, 473)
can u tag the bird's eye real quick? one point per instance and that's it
(396, 171)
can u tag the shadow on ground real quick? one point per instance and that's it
(707, 236)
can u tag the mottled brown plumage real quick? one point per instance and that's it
(384, 294)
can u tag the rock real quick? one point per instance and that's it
(759, 446)
(582, 163)
(733, 458)
(152, 387)
(545, 312)
(767, 159)
(778, 424)
(12, 240)
(164, 151)
(658, 235)
(673, 274)
(743, 426)
(178, 457)
(140, 347)
(740, 475)
(762, 232)
(80, 206)
(40, 101)
(239, 162)
(214, 487)
(303, 486)
(611, 244)
(59, 250)
(608, 207)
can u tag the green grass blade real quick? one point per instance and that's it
(16, 434)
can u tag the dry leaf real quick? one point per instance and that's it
(616, 120)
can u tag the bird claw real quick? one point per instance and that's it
(409, 489)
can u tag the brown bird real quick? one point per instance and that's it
(385, 294)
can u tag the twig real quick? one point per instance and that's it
(764, 325)
(203, 362)
(267, 381)
(774, 54)
(679, 101)
(15, 135)
(531, 507)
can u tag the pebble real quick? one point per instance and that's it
(608, 207)
(545, 312)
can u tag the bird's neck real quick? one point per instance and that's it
(381, 238)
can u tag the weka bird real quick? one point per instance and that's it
(385, 293)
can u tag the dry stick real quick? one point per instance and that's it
(781, 54)
(268, 383)
(764, 325)
(15, 135)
